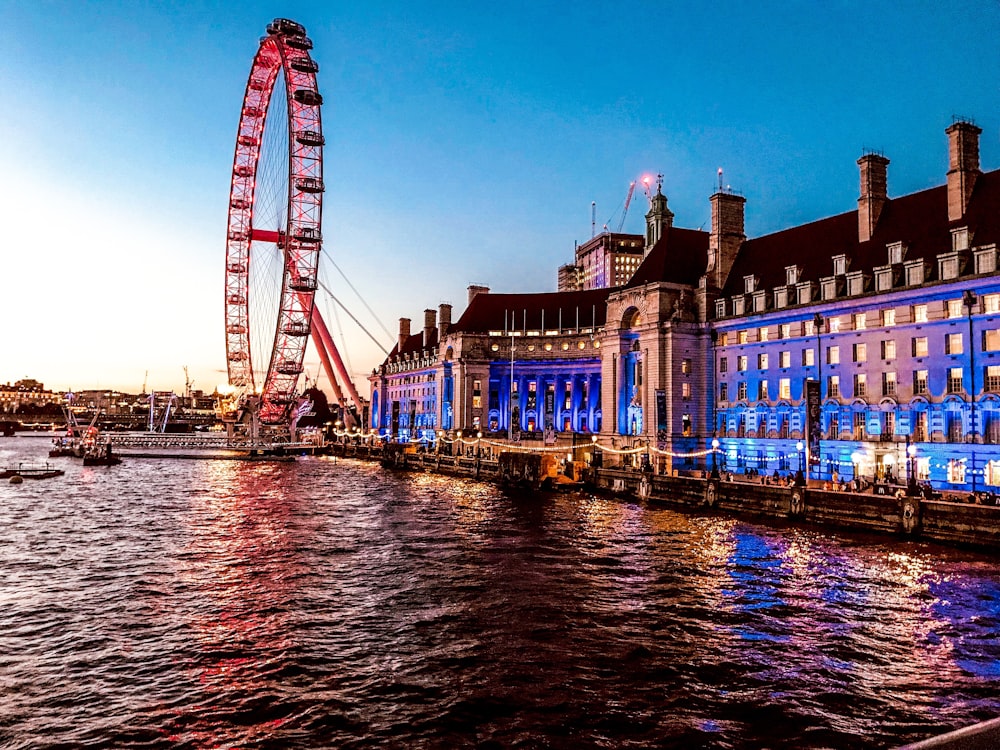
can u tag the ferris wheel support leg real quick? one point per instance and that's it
(324, 357)
(319, 326)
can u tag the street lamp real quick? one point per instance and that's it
(969, 299)
(800, 477)
(715, 465)
(479, 438)
(855, 460)
(911, 468)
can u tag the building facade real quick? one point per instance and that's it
(864, 344)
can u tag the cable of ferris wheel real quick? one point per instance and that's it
(367, 307)
(357, 322)
(344, 351)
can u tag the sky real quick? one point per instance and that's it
(465, 144)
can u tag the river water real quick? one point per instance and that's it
(171, 603)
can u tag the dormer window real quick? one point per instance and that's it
(895, 252)
(839, 265)
(855, 283)
(720, 308)
(960, 238)
(883, 279)
(759, 301)
(948, 266)
(749, 283)
(781, 297)
(792, 274)
(738, 305)
(914, 272)
(985, 259)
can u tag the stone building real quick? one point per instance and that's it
(884, 319)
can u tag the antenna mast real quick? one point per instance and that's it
(593, 219)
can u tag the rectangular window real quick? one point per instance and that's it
(762, 333)
(861, 352)
(919, 346)
(954, 307)
(741, 337)
(785, 388)
(685, 390)
(859, 425)
(888, 317)
(889, 423)
(833, 428)
(919, 382)
(808, 328)
(784, 359)
(834, 325)
(833, 386)
(914, 273)
(888, 384)
(920, 427)
(953, 343)
(762, 390)
(956, 471)
(477, 394)
(686, 366)
(991, 303)
(954, 380)
(833, 355)
(762, 361)
(723, 391)
(895, 252)
(859, 321)
(741, 363)
(860, 385)
(839, 264)
(723, 339)
(920, 313)
(889, 349)
(991, 341)
(993, 378)
(741, 390)
(785, 331)
(723, 364)
(808, 357)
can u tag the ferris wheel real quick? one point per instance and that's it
(274, 230)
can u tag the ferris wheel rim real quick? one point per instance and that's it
(284, 50)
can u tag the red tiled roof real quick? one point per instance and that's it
(919, 220)
(680, 256)
(498, 312)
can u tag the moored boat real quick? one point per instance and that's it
(31, 471)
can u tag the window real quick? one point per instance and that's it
(948, 265)
(759, 301)
(741, 337)
(956, 471)
(686, 366)
(834, 325)
(992, 378)
(785, 331)
(741, 390)
(785, 388)
(723, 339)
(954, 308)
(953, 343)
(833, 355)
(920, 313)
(741, 363)
(954, 380)
(808, 357)
(859, 425)
(477, 394)
(914, 273)
(888, 317)
(991, 341)
(895, 252)
(723, 364)
(791, 274)
(855, 283)
(723, 391)
(985, 259)
(784, 359)
(685, 390)
(808, 328)
(833, 429)
(920, 427)
(738, 305)
(839, 265)
(919, 382)
(859, 321)
(860, 385)
(686, 425)
(888, 384)
(749, 282)
(762, 361)
(833, 386)
(762, 334)
(960, 238)
(919, 346)
(861, 352)
(991, 303)
(953, 425)
(762, 390)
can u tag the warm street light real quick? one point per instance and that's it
(715, 465)
(911, 468)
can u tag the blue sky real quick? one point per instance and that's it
(465, 143)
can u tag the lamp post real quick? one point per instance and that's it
(818, 326)
(800, 478)
(479, 439)
(969, 299)
(855, 460)
(911, 468)
(715, 465)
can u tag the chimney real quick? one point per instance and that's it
(475, 289)
(963, 166)
(873, 194)
(429, 324)
(444, 320)
(726, 236)
(404, 333)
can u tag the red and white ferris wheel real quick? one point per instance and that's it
(274, 231)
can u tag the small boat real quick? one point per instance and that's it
(100, 456)
(31, 471)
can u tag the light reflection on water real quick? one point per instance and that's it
(329, 603)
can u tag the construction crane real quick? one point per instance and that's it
(188, 383)
(628, 200)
